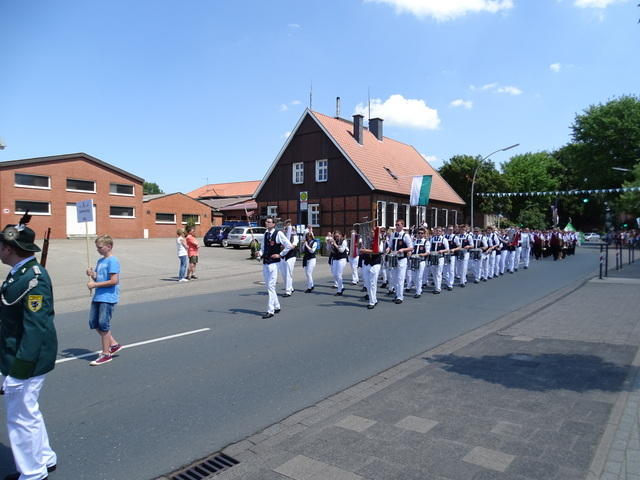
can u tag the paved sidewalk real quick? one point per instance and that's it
(548, 392)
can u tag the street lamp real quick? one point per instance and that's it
(475, 172)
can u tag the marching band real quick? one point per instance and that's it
(411, 259)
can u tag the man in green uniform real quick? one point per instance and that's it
(28, 348)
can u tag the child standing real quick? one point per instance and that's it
(192, 251)
(105, 279)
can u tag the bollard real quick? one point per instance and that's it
(601, 260)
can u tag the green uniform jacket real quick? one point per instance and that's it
(28, 341)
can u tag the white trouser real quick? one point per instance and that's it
(503, 260)
(383, 273)
(370, 278)
(484, 265)
(399, 274)
(436, 272)
(337, 267)
(417, 277)
(286, 268)
(476, 268)
(353, 263)
(524, 255)
(27, 432)
(462, 266)
(491, 260)
(270, 274)
(511, 260)
(516, 265)
(308, 271)
(496, 264)
(449, 271)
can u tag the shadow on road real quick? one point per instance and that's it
(76, 352)
(540, 372)
(6, 461)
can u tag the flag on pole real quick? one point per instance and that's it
(420, 188)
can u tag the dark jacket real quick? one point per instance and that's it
(28, 341)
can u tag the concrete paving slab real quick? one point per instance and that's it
(488, 458)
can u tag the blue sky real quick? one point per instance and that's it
(206, 91)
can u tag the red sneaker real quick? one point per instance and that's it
(115, 348)
(101, 360)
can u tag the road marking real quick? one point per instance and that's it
(137, 344)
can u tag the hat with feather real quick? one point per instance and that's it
(20, 235)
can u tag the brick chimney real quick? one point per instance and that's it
(375, 127)
(357, 128)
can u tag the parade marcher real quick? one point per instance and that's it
(287, 266)
(462, 263)
(479, 244)
(555, 243)
(309, 248)
(421, 249)
(538, 243)
(339, 254)
(513, 248)
(439, 245)
(353, 258)
(526, 242)
(383, 268)
(450, 268)
(28, 349)
(493, 252)
(371, 263)
(274, 246)
(400, 244)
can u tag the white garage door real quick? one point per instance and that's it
(74, 228)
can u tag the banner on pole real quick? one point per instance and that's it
(420, 190)
(84, 209)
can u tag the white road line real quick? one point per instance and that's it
(137, 344)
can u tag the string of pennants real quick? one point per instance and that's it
(561, 192)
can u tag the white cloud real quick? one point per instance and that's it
(295, 102)
(284, 107)
(294, 25)
(458, 102)
(595, 3)
(434, 161)
(509, 89)
(555, 67)
(402, 112)
(443, 10)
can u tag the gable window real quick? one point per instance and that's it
(121, 189)
(74, 185)
(298, 172)
(194, 217)
(322, 170)
(166, 218)
(314, 214)
(382, 213)
(121, 212)
(32, 181)
(272, 211)
(35, 208)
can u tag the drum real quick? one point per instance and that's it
(392, 260)
(476, 253)
(414, 262)
(434, 258)
(460, 254)
(447, 258)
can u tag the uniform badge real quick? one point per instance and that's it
(34, 302)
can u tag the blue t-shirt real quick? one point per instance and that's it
(104, 268)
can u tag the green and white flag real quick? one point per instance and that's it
(420, 188)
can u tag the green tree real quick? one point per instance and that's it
(151, 188)
(458, 172)
(531, 172)
(629, 202)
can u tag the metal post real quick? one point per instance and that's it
(601, 261)
(606, 260)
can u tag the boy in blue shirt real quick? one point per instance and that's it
(105, 279)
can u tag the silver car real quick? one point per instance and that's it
(242, 236)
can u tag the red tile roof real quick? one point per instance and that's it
(233, 189)
(372, 156)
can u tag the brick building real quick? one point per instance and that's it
(348, 174)
(49, 188)
(165, 213)
(228, 201)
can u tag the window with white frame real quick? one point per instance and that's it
(407, 215)
(121, 189)
(322, 170)
(75, 185)
(194, 217)
(121, 212)
(381, 213)
(433, 220)
(166, 218)
(272, 211)
(423, 215)
(298, 172)
(35, 208)
(391, 214)
(454, 214)
(32, 181)
(314, 214)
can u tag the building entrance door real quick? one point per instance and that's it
(75, 229)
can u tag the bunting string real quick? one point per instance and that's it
(599, 191)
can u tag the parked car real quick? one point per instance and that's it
(242, 236)
(592, 237)
(217, 236)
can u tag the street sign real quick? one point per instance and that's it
(304, 206)
(84, 210)
(304, 196)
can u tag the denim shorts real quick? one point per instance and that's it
(100, 316)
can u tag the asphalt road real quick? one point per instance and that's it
(161, 405)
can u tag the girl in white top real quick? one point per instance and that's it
(181, 245)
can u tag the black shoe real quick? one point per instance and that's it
(397, 301)
(436, 292)
(484, 279)
(417, 295)
(267, 315)
(449, 288)
(366, 297)
(308, 290)
(286, 295)
(525, 267)
(476, 281)
(339, 294)
(371, 307)
(462, 285)
(384, 285)
(363, 289)
(277, 310)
